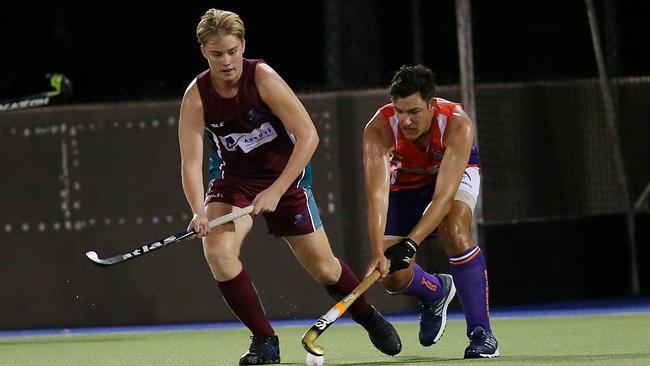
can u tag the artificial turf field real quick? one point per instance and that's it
(611, 339)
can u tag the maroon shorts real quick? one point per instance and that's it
(296, 213)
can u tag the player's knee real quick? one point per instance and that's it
(325, 273)
(219, 258)
(454, 233)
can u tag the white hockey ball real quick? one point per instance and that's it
(312, 360)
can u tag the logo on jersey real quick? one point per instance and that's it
(254, 114)
(251, 140)
(437, 155)
(216, 125)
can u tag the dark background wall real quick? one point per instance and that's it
(105, 177)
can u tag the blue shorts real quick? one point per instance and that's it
(405, 209)
(295, 214)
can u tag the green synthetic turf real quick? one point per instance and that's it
(591, 340)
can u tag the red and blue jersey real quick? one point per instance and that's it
(412, 168)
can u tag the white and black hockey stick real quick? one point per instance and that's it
(62, 90)
(148, 248)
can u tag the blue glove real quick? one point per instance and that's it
(401, 254)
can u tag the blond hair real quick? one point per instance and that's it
(223, 22)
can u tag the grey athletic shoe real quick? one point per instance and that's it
(433, 315)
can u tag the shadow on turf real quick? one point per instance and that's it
(393, 361)
(555, 359)
(559, 359)
(72, 339)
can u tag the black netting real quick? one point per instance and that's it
(544, 139)
(545, 142)
(144, 51)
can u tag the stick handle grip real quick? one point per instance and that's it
(230, 217)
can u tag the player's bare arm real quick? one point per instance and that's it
(378, 143)
(190, 135)
(458, 138)
(285, 104)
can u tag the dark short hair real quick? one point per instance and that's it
(409, 80)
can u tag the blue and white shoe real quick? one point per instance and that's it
(482, 344)
(433, 315)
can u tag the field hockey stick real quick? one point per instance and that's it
(61, 92)
(148, 248)
(334, 313)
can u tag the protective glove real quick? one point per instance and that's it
(401, 254)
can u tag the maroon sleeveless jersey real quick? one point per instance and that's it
(250, 141)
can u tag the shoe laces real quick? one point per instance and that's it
(260, 344)
(427, 313)
(482, 337)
